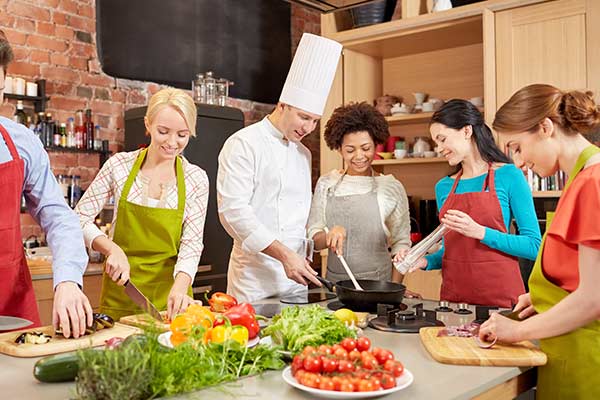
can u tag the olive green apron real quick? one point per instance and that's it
(573, 368)
(150, 238)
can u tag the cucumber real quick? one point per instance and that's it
(57, 368)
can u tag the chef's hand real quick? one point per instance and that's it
(335, 238)
(462, 223)
(500, 328)
(178, 300)
(525, 306)
(421, 263)
(117, 266)
(297, 268)
(71, 311)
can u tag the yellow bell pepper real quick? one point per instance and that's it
(222, 333)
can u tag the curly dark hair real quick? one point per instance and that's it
(355, 117)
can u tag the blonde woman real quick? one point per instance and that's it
(160, 207)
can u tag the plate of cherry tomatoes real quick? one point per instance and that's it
(347, 370)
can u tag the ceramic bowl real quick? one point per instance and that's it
(429, 154)
(399, 153)
(385, 155)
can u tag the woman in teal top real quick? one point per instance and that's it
(479, 256)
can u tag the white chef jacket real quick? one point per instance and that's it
(263, 195)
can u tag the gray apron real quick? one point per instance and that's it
(366, 247)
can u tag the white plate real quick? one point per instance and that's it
(269, 342)
(402, 382)
(165, 339)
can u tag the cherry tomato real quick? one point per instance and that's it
(376, 383)
(395, 367)
(376, 351)
(349, 344)
(300, 374)
(345, 366)
(309, 351)
(354, 355)
(346, 386)
(341, 353)
(329, 364)
(368, 360)
(337, 382)
(363, 343)
(325, 349)
(365, 385)
(326, 384)
(383, 356)
(312, 364)
(335, 347)
(297, 364)
(388, 381)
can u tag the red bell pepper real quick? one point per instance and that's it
(242, 314)
(221, 302)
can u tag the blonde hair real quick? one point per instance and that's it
(179, 100)
(574, 111)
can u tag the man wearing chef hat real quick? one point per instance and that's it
(264, 181)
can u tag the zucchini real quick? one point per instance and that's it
(57, 368)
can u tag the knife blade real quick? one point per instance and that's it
(142, 301)
(8, 323)
(514, 315)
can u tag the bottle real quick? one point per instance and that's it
(97, 140)
(30, 124)
(71, 132)
(89, 130)
(75, 191)
(211, 88)
(63, 182)
(56, 135)
(63, 135)
(199, 89)
(79, 129)
(20, 117)
(48, 130)
(40, 126)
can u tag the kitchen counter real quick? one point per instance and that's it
(43, 269)
(432, 380)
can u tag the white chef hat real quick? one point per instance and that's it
(311, 73)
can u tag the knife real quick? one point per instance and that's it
(514, 315)
(11, 323)
(142, 301)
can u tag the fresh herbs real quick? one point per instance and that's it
(143, 369)
(298, 327)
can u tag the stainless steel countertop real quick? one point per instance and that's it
(432, 380)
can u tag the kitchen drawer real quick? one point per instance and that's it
(210, 269)
(210, 284)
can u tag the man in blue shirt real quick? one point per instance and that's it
(25, 170)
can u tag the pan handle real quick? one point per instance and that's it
(328, 284)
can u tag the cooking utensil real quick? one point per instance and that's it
(346, 267)
(420, 249)
(142, 301)
(11, 323)
(373, 293)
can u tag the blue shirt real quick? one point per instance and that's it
(47, 205)
(515, 200)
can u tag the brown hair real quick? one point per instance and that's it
(355, 117)
(574, 111)
(6, 53)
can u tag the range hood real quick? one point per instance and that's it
(327, 6)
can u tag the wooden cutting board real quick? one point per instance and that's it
(465, 351)
(59, 344)
(145, 321)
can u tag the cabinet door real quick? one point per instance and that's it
(552, 42)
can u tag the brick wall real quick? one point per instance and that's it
(56, 40)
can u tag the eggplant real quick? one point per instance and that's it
(103, 321)
(33, 338)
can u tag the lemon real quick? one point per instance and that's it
(347, 316)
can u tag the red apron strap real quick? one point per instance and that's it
(456, 180)
(489, 181)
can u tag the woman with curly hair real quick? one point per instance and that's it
(356, 212)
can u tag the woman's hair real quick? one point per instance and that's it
(457, 114)
(574, 111)
(6, 53)
(355, 117)
(179, 100)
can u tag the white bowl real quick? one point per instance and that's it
(400, 153)
(429, 154)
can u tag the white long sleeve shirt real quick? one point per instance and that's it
(263, 194)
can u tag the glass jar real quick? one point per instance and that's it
(420, 146)
(222, 91)
(75, 190)
(211, 88)
(199, 89)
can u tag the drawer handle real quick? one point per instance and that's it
(204, 268)
(202, 289)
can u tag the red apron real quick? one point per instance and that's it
(471, 271)
(17, 298)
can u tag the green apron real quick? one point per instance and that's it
(573, 368)
(150, 238)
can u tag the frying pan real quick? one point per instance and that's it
(374, 292)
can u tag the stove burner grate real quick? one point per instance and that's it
(391, 319)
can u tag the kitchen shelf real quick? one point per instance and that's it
(546, 193)
(413, 118)
(394, 161)
(39, 102)
(74, 150)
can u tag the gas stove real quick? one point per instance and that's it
(404, 319)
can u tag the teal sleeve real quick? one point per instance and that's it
(526, 243)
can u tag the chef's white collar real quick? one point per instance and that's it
(274, 131)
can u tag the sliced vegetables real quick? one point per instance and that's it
(33, 338)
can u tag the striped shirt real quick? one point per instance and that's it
(110, 181)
